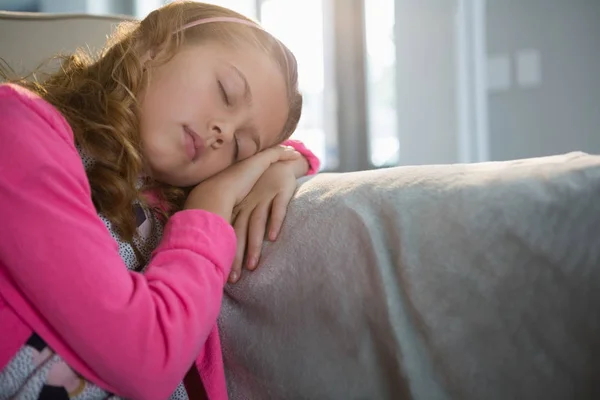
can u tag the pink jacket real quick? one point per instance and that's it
(61, 275)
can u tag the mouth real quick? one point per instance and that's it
(193, 143)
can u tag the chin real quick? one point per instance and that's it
(177, 181)
(173, 181)
(166, 178)
(174, 175)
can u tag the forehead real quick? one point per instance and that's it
(269, 107)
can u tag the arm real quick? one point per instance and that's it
(60, 270)
(268, 201)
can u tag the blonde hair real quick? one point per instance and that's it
(99, 98)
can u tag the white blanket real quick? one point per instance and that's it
(433, 282)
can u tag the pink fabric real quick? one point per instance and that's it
(62, 277)
(313, 162)
(220, 19)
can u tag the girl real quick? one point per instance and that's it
(92, 159)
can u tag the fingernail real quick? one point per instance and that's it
(273, 235)
(233, 277)
(252, 263)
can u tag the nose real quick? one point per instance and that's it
(221, 133)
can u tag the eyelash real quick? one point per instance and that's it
(223, 93)
(226, 100)
(237, 148)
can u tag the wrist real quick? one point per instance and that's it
(211, 204)
(220, 211)
(300, 167)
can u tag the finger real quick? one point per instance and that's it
(272, 155)
(246, 173)
(288, 153)
(240, 227)
(256, 234)
(278, 211)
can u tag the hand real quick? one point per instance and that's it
(268, 200)
(222, 192)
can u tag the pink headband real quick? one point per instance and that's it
(220, 19)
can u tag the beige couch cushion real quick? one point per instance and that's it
(476, 281)
(28, 39)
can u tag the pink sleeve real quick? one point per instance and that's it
(313, 161)
(60, 270)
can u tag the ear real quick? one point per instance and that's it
(149, 56)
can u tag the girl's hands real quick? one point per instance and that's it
(266, 204)
(224, 191)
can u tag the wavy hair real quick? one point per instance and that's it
(98, 96)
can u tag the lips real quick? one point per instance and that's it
(193, 143)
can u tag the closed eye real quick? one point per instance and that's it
(223, 93)
(236, 152)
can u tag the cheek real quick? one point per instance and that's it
(172, 97)
(153, 136)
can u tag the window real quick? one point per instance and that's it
(381, 82)
(299, 24)
(245, 7)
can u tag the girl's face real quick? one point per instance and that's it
(207, 108)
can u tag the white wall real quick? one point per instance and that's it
(426, 81)
(562, 113)
(559, 115)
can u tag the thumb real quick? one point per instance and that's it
(286, 153)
